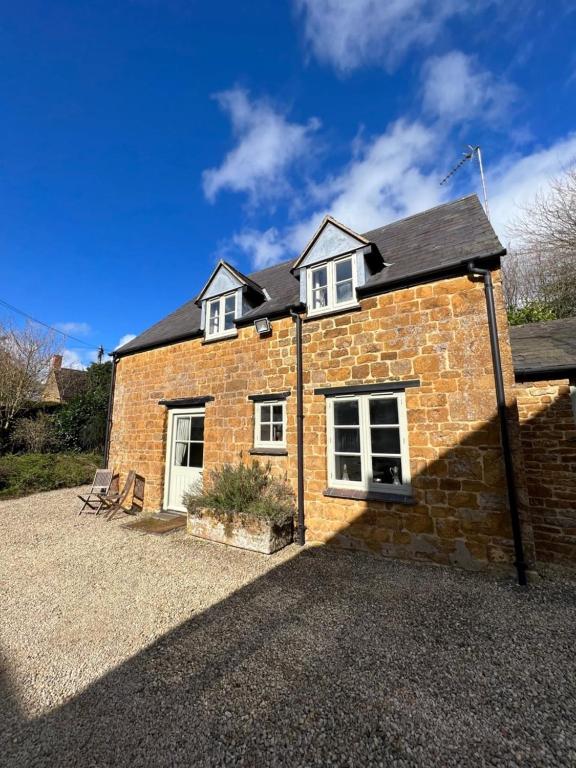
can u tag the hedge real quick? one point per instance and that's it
(28, 473)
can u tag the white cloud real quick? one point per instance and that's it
(456, 89)
(72, 358)
(516, 180)
(267, 146)
(125, 339)
(348, 34)
(76, 329)
(264, 248)
(387, 178)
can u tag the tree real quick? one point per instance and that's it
(540, 271)
(80, 425)
(25, 356)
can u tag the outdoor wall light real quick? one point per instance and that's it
(262, 326)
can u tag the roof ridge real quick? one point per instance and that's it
(421, 213)
(375, 229)
(543, 323)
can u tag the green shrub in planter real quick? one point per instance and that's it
(242, 491)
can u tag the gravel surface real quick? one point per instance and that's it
(120, 648)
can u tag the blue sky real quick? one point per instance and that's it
(141, 141)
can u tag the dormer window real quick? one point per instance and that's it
(221, 314)
(226, 297)
(333, 265)
(331, 285)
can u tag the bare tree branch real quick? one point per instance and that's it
(541, 266)
(25, 355)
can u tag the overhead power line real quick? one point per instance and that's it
(99, 349)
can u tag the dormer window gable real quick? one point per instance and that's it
(227, 295)
(335, 262)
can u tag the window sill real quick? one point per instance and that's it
(332, 311)
(268, 452)
(360, 495)
(222, 337)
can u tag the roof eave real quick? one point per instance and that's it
(450, 270)
(118, 353)
(544, 372)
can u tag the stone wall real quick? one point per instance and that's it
(229, 370)
(548, 433)
(436, 333)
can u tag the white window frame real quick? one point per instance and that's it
(221, 302)
(332, 304)
(367, 484)
(258, 443)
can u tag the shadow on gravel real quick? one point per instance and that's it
(332, 658)
(335, 658)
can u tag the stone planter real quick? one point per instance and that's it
(257, 535)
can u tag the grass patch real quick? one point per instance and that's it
(28, 473)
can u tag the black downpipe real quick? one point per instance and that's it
(109, 416)
(520, 563)
(299, 427)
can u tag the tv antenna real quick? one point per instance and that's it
(473, 151)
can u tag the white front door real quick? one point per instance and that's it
(184, 455)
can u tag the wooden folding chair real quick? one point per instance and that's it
(138, 496)
(100, 487)
(115, 502)
(137, 505)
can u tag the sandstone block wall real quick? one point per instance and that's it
(436, 333)
(548, 434)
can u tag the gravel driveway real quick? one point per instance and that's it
(119, 649)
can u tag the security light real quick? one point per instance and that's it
(262, 326)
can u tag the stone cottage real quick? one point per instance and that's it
(63, 384)
(388, 332)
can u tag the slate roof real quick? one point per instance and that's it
(70, 382)
(432, 241)
(544, 348)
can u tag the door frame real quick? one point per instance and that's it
(172, 413)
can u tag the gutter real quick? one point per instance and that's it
(110, 406)
(544, 374)
(299, 426)
(519, 562)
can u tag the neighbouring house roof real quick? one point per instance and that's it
(544, 349)
(64, 384)
(430, 242)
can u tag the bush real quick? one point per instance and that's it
(80, 425)
(33, 472)
(245, 492)
(533, 312)
(33, 435)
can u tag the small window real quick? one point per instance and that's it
(221, 313)
(331, 285)
(270, 425)
(367, 442)
(188, 441)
